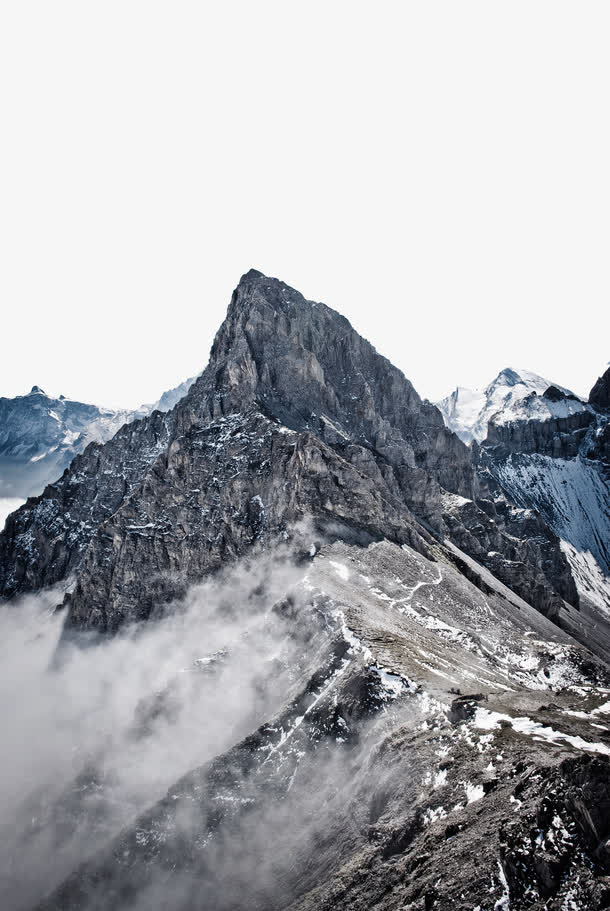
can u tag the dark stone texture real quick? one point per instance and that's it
(599, 396)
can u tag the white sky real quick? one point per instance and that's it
(438, 172)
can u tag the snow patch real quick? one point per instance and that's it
(490, 720)
(474, 792)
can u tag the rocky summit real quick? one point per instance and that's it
(353, 662)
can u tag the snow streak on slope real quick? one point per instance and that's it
(573, 498)
(512, 396)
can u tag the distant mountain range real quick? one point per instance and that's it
(41, 434)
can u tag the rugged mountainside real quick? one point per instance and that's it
(40, 435)
(411, 712)
(363, 780)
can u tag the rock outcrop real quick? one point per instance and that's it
(599, 396)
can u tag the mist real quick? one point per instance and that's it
(96, 730)
(247, 700)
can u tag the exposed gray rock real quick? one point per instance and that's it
(43, 542)
(559, 437)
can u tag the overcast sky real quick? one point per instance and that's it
(438, 172)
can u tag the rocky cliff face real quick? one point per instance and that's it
(296, 415)
(557, 437)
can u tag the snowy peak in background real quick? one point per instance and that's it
(41, 434)
(549, 451)
(514, 395)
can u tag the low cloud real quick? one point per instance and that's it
(93, 738)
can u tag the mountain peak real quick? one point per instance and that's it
(37, 390)
(251, 275)
(507, 376)
(511, 377)
(304, 365)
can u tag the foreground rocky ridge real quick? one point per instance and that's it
(172, 497)
(373, 785)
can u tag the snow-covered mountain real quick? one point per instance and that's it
(40, 434)
(547, 450)
(514, 395)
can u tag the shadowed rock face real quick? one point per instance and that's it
(599, 396)
(559, 438)
(295, 415)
